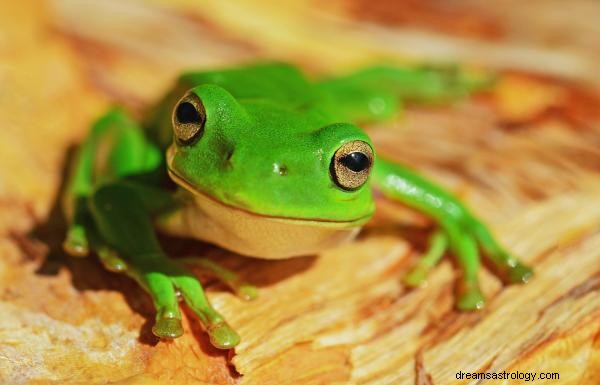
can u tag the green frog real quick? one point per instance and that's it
(268, 163)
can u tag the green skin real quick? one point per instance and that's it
(258, 118)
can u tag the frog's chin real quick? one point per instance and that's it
(253, 234)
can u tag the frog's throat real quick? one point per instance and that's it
(250, 233)
(253, 234)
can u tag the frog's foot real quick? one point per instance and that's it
(168, 328)
(438, 244)
(221, 334)
(416, 276)
(509, 268)
(466, 237)
(464, 246)
(163, 279)
(76, 241)
(519, 273)
(242, 289)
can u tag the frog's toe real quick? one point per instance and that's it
(230, 278)
(76, 242)
(222, 336)
(247, 292)
(471, 299)
(438, 243)
(167, 328)
(519, 273)
(111, 260)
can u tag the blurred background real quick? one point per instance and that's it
(525, 155)
(129, 43)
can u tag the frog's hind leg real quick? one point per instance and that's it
(376, 93)
(123, 222)
(425, 83)
(464, 246)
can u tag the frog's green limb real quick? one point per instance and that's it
(464, 246)
(79, 187)
(76, 241)
(221, 334)
(424, 84)
(353, 100)
(75, 201)
(438, 243)
(230, 278)
(123, 223)
(376, 93)
(465, 232)
(107, 255)
(120, 206)
(164, 296)
(122, 219)
(115, 147)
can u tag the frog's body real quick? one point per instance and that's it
(267, 164)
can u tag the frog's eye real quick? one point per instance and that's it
(188, 118)
(351, 165)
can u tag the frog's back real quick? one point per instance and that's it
(275, 81)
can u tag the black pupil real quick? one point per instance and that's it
(356, 161)
(187, 113)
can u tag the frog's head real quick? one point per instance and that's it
(260, 166)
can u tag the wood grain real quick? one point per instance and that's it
(525, 157)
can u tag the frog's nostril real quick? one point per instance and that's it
(280, 169)
(228, 158)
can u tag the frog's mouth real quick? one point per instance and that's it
(254, 234)
(184, 183)
(181, 181)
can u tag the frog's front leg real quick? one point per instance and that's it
(123, 223)
(438, 244)
(459, 230)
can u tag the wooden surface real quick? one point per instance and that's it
(525, 156)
